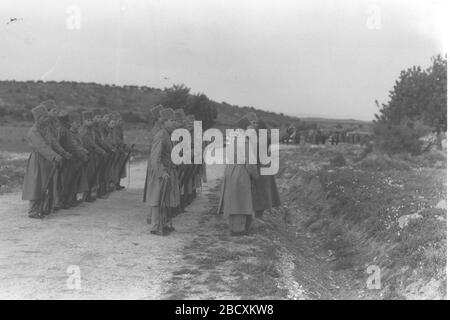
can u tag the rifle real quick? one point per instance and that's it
(44, 191)
(126, 159)
(162, 204)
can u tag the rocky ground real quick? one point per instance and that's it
(361, 214)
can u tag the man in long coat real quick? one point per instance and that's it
(81, 183)
(55, 135)
(157, 125)
(106, 141)
(163, 194)
(264, 192)
(96, 154)
(72, 170)
(236, 199)
(102, 164)
(125, 148)
(117, 136)
(41, 166)
(183, 169)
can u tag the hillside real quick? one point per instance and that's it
(18, 97)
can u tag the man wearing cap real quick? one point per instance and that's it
(194, 179)
(55, 138)
(264, 192)
(163, 189)
(236, 201)
(96, 154)
(37, 185)
(72, 169)
(101, 138)
(106, 141)
(184, 168)
(116, 125)
(117, 157)
(157, 125)
(81, 182)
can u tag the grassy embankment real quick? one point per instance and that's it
(352, 209)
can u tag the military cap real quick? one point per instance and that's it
(97, 118)
(178, 114)
(155, 111)
(87, 115)
(62, 113)
(115, 116)
(64, 118)
(49, 104)
(166, 114)
(38, 112)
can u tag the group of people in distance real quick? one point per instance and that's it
(75, 157)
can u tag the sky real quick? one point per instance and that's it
(327, 58)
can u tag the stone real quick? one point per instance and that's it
(404, 220)
(442, 204)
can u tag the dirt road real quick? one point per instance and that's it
(107, 243)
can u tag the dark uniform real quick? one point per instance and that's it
(96, 154)
(72, 170)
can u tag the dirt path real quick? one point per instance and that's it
(109, 242)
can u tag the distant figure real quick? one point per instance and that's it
(335, 138)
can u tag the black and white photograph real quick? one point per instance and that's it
(197, 150)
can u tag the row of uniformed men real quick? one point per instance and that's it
(169, 188)
(72, 154)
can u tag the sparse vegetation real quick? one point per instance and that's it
(353, 214)
(134, 102)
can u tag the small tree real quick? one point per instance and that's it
(202, 108)
(417, 105)
(176, 96)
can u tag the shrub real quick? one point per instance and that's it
(338, 161)
(378, 161)
(404, 137)
(418, 95)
